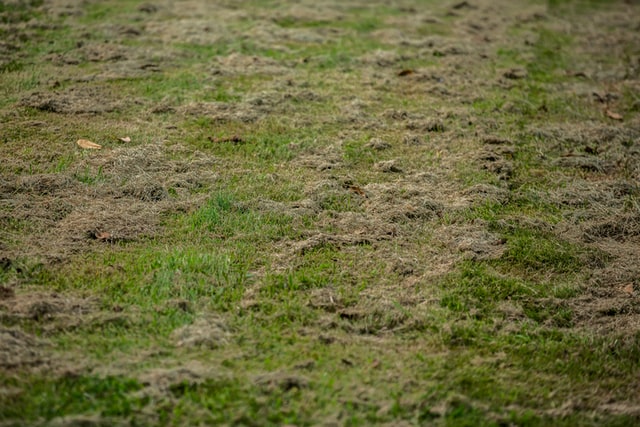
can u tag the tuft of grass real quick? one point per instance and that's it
(225, 218)
(193, 276)
(534, 251)
(479, 287)
(87, 176)
(549, 56)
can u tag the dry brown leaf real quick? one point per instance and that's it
(102, 235)
(628, 289)
(613, 115)
(125, 139)
(85, 143)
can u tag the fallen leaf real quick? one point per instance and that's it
(125, 139)
(405, 72)
(613, 115)
(628, 289)
(85, 143)
(103, 235)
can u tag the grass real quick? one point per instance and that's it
(280, 277)
(107, 397)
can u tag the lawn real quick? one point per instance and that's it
(273, 212)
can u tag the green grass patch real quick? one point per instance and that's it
(224, 218)
(152, 277)
(39, 398)
(534, 251)
(479, 287)
(89, 177)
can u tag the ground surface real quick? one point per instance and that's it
(320, 212)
